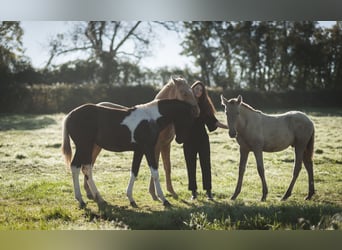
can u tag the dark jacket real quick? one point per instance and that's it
(198, 131)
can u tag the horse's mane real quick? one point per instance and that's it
(168, 85)
(146, 105)
(247, 106)
(250, 107)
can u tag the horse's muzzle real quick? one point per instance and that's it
(179, 140)
(232, 134)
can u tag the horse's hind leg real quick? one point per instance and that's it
(152, 188)
(150, 156)
(75, 177)
(296, 170)
(95, 153)
(307, 159)
(88, 175)
(165, 152)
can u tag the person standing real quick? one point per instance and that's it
(198, 141)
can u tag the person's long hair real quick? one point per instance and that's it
(204, 102)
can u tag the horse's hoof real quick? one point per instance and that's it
(285, 197)
(173, 193)
(233, 198)
(166, 203)
(82, 205)
(133, 204)
(102, 204)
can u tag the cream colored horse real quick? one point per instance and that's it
(259, 132)
(176, 88)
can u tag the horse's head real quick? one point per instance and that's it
(183, 122)
(232, 110)
(184, 93)
(181, 114)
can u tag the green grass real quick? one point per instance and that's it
(36, 187)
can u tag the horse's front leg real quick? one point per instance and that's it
(150, 156)
(152, 188)
(134, 174)
(242, 167)
(165, 152)
(75, 178)
(261, 171)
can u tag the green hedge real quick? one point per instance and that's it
(63, 97)
(283, 100)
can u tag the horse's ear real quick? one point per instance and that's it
(223, 100)
(239, 99)
(178, 80)
(173, 80)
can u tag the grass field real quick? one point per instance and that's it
(36, 187)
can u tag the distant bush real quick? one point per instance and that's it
(64, 97)
(282, 100)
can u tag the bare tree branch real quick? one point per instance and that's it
(127, 36)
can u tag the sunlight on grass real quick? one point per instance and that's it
(36, 188)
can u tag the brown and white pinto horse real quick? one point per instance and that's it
(134, 129)
(176, 88)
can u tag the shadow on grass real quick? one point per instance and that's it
(225, 216)
(24, 122)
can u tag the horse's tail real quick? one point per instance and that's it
(309, 150)
(66, 148)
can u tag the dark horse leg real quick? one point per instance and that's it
(137, 157)
(307, 159)
(152, 189)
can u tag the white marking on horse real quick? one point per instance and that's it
(75, 177)
(143, 112)
(129, 190)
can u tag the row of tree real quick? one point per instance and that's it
(277, 55)
(257, 55)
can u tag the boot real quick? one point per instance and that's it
(209, 195)
(193, 195)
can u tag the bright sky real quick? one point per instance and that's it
(166, 51)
